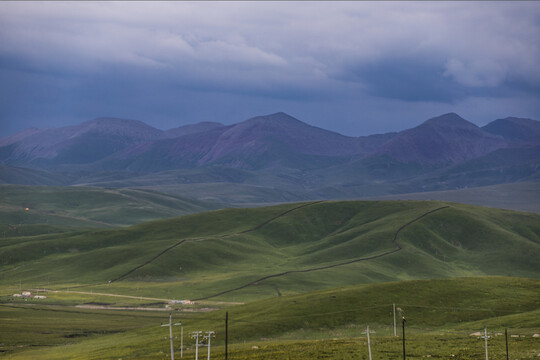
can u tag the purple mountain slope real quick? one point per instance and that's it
(262, 134)
(193, 129)
(165, 154)
(517, 131)
(444, 139)
(95, 137)
(88, 142)
(263, 141)
(276, 140)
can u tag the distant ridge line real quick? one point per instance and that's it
(396, 243)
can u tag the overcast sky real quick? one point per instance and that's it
(357, 68)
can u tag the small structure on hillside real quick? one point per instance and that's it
(185, 302)
(28, 294)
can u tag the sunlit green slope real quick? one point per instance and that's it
(286, 249)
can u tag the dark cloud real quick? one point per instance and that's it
(408, 80)
(416, 80)
(350, 66)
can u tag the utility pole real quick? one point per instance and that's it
(403, 325)
(195, 335)
(506, 336)
(226, 333)
(395, 332)
(208, 336)
(485, 341)
(171, 337)
(170, 325)
(368, 342)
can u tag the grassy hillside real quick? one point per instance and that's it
(441, 315)
(86, 207)
(273, 251)
(312, 276)
(26, 176)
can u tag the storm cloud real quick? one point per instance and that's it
(353, 67)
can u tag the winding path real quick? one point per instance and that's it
(396, 243)
(254, 228)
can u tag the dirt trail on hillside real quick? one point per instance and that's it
(254, 228)
(396, 243)
(257, 227)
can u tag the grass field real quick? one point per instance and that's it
(306, 273)
(441, 316)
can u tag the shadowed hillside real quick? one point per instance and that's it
(72, 207)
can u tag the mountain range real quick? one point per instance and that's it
(274, 158)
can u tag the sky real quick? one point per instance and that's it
(354, 67)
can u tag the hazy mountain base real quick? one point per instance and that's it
(523, 196)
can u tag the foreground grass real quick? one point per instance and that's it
(441, 315)
(419, 345)
(39, 326)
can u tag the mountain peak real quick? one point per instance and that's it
(450, 119)
(444, 139)
(515, 129)
(276, 123)
(114, 122)
(279, 117)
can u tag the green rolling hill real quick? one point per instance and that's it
(27, 209)
(311, 276)
(281, 250)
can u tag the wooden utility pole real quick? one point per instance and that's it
(403, 326)
(506, 336)
(395, 331)
(485, 341)
(208, 336)
(195, 335)
(170, 325)
(171, 337)
(226, 333)
(181, 342)
(368, 343)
